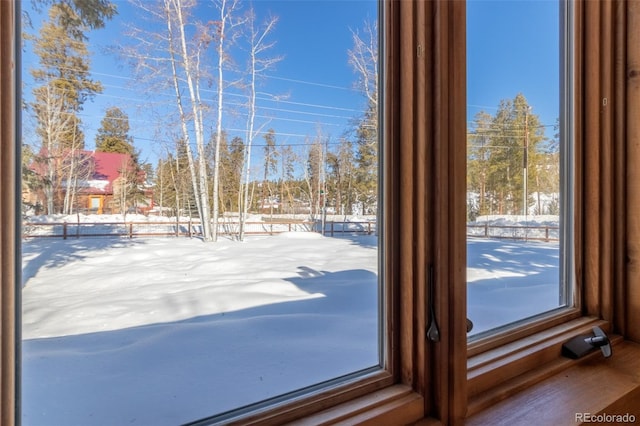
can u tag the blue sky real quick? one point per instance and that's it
(512, 48)
(314, 81)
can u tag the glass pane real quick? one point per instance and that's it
(200, 206)
(516, 146)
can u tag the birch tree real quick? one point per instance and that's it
(169, 54)
(258, 65)
(189, 60)
(53, 122)
(363, 58)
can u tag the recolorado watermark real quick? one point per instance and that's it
(605, 418)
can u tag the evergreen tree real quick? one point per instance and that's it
(231, 162)
(63, 71)
(113, 134)
(366, 161)
(64, 86)
(286, 184)
(314, 176)
(504, 150)
(173, 183)
(340, 166)
(270, 165)
(478, 153)
(82, 14)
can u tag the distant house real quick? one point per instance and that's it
(104, 185)
(98, 191)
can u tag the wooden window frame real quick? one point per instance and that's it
(425, 183)
(517, 359)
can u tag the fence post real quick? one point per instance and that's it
(130, 230)
(486, 229)
(546, 233)
(332, 229)
(64, 231)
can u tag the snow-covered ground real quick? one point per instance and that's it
(168, 330)
(164, 331)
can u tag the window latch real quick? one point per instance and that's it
(582, 345)
(433, 333)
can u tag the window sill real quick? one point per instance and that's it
(592, 385)
(499, 373)
(386, 405)
(397, 404)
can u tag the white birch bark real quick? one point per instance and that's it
(226, 24)
(169, 10)
(190, 67)
(257, 65)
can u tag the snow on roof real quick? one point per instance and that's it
(107, 167)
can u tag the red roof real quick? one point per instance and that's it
(107, 167)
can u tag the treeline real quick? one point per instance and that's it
(513, 167)
(320, 176)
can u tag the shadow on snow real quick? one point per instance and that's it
(171, 373)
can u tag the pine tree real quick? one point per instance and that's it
(172, 183)
(270, 166)
(366, 161)
(340, 166)
(314, 175)
(505, 158)
(231, 161)
(478, 153)
(64, 86)
(287, 168)
(113, 134)
(82, 14)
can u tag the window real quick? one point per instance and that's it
(236, 244)
(425, 224)
(592, 167)
(519, 164)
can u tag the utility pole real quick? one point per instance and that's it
(525, 161)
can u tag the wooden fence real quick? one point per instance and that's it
(194, 229)
(515, 232)
(186, 229)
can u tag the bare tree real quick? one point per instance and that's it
(257, 66)
(314, 174)
(54, 123)
(225, 36)
(77, 169)
(189, 60)
(127, 186)
(172, 58)
(363, 57)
